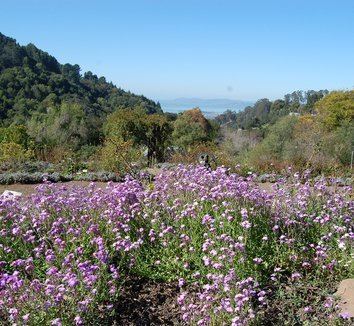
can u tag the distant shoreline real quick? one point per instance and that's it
(210, 107)
(208, 114)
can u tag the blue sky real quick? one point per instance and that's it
(211, 49)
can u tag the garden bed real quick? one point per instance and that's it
(193, 247)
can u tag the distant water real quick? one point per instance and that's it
(210, 107)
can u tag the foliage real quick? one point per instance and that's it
(264, 111)
(60, 126)
(15, 134)
(341, 143)
(41, 177)
(30, 178)
(13, 152)
(27, 166)
(272, 148)
(191, 128)
(191, 156)
(336, 108)
(304, 142)
(152, 131)
(240, 256)
(31, 81)
(218, 156)
(235, 144)
(118, 156)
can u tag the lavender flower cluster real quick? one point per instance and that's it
(60, 252)
(229, 244)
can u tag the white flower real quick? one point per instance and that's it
(341, 245)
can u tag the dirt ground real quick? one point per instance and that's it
(27, 189)
(146, 302)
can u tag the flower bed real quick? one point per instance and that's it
(239, 254)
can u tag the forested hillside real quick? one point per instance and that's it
(31, 81)
(265, 111)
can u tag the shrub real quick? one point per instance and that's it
(98, 176)
(30, 178)
(12, 152)
(15, 134)
(39, 177)
(118, 156)
(27, 166)
(340, 144)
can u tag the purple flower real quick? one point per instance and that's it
(295, 276)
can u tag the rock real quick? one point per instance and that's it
(343, 181)
(346, 293)
(264, 178)
(11, 193)
(205, 159)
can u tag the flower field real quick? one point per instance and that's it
(240, 255)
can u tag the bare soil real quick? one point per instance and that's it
(145, 302)
(28, 189)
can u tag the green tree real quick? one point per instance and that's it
(336, 108)
(65, 125)
(191, 128)
(152, 131)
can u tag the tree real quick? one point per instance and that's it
(65, 125)
(190, 128)
(336, 108)
(152, 131)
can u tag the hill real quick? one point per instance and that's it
(265, 111)
(31, 80)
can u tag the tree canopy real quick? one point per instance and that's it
(191, 127)
(152, 131)
(31, 80)
(265, 111)
(336, 108)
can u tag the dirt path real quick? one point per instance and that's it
(27, 189)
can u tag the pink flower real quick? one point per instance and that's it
(295, 276)
(246, 224)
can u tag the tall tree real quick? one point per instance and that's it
(152, 131)
(190, 128)
(336, 108)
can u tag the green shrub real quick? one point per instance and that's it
(118, 156)
(13, 152)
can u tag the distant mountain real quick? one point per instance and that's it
(31, 80)
(210, 107)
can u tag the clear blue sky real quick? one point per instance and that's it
(188, 48)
